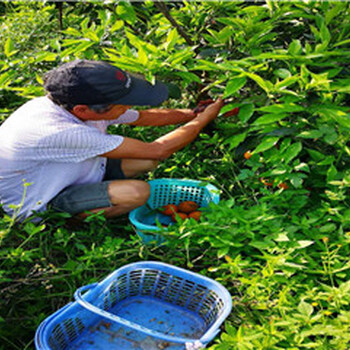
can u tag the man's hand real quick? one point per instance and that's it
(202, 105)
(213, 109)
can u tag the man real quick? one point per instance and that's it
(59, 145)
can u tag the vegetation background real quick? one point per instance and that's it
(279, 239)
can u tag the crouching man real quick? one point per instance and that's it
(59, 143)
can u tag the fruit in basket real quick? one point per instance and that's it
(187, 207)
(195, 215)
(179, 215)
(169, 209)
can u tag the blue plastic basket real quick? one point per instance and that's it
(141, 306)
(169, 191)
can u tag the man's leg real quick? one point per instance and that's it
(134, 167)
(124, 196)
(115, 196)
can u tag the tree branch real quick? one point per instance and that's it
(161, 6)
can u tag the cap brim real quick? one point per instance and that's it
(143, 93)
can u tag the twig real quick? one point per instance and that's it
(59, 6)
(161, 6)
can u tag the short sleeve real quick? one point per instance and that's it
(74, 144)
(130, 116)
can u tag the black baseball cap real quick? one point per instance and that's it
(98, 82)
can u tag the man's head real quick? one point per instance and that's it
(100, 85)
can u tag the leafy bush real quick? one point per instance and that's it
(279, 239)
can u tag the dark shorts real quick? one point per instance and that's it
(79, 198)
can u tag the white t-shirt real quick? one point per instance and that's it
(48, 147)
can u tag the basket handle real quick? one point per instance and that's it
(79, 298)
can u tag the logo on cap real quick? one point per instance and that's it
(120, 76)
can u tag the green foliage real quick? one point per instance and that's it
(279, 239)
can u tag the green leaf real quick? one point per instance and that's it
(225, 34)
(134, 40)
(189, 77)
(245, 112)
(264, 84)
(334, 11)
(9, 47)
(344, 42)
(296, 180)
(83, 46)
(45, 56)
(282, 108)
(327, 160)
(180, 56)
(142, 56)
(338, 115)
(207, 65)
(234, 85)
(6, 78)
(292, 152)
(282, 73)
(331, 173)
(126, 12)
(267, 143)
(171, 39)
(302, 167)
(312, 134)
(305, 309)
(269, 118)
(235, 140)
(315, 155)
(287, 82)
(328, 228)
(223, 251)
(73, 32)
(261, 245)
(304, 244)
(325, 34)
(295, 48)
(116, 26)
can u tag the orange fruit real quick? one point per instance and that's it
(187, 207)
(283, 185)
(266, 182)
(195, 215)
(182, 216)
(247, 155)
(169, 209)
(232, 112)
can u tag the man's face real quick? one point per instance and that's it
(83, 112)
(113, 112)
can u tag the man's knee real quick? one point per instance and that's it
(129, 192)
(153, 164)
(134, 167)
(141, 191)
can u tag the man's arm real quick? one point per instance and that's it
(161, 117)
(167, 144)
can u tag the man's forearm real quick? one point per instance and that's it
(182, 136)
(166, 145)
(160, 117)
